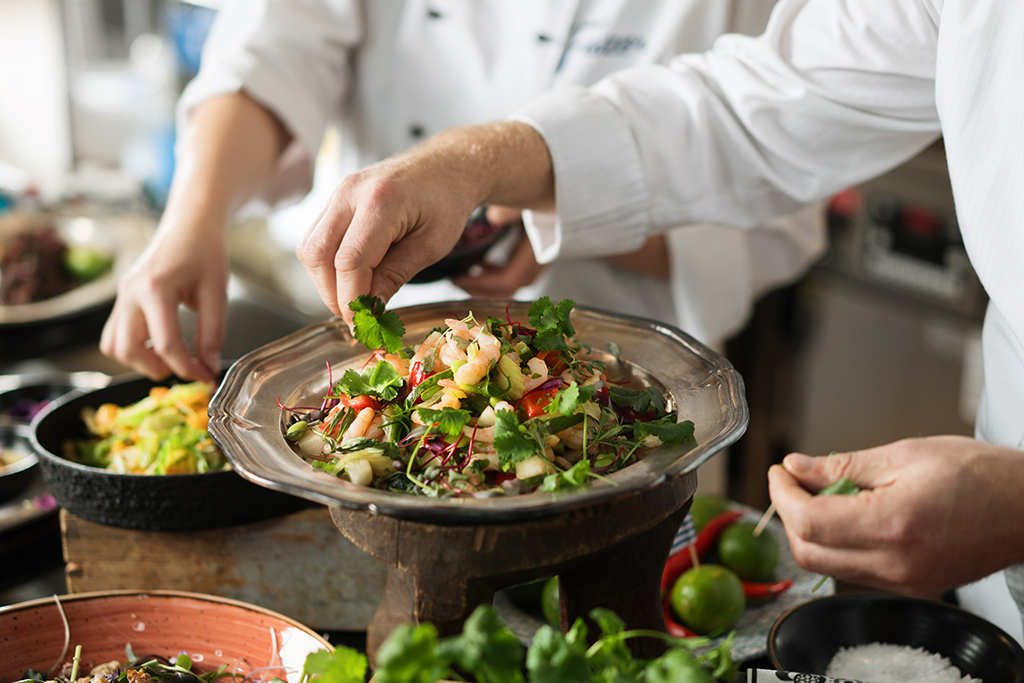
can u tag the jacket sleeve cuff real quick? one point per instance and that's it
(599, 180)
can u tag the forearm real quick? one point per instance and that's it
(227, 153)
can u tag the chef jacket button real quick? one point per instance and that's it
(543, 38)
(416, 130)
(433, 14)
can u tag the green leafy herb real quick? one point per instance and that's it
(641, 400)
(376, 327)
(381, 381)
(512, 442)
(574, 477)
(570, 397)
(449, 421)
(666, 429)
(552, 323)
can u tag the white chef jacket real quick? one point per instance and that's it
(834, 92)
(391, 73)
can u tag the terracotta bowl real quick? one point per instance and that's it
(211, 630)
(180, 502)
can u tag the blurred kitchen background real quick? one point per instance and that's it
(880, 341)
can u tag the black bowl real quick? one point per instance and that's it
(14, 478)
(806, 638)
(179, 502)
(477, 239)
(23, 396)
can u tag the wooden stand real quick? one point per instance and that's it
(298, 565)
(606, 555)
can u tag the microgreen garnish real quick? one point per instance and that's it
(376, 327)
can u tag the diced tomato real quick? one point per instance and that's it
(553, 361)
(535, 401)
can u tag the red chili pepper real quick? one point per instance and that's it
(674, 628)
(553, 361)
(706, 539)
(763, 591)
(416, 374)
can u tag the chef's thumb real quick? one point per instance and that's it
(815, 473)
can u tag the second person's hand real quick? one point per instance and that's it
(923, 522)
(180, 266)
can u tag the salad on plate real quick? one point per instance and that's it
(480, 408)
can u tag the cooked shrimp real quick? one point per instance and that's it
(480, 356)
(429, 346)
(485, 451)
(538, 374)
(376, 428)
(360, 425)
(400, 364)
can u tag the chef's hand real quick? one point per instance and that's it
(183, 264)
(386, 223)
(933, 513)
(502, 281)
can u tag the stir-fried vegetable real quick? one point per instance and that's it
(164, 433)
(480, 407)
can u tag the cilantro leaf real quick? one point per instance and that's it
(666, 429)
(552, 323)
(552, 658)
(382, 381)
(374, 326)
(409, 655)
(570, 397)
(486, 647)
(639, 400)
(574, 477)
(677, 665)
(449, 421)
(344, 665)
(511, 441)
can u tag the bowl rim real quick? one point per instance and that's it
(162, 594)
(856, 595)
(236, 430)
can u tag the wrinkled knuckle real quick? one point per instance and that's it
(347, 259)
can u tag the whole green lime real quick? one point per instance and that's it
(708, 598)
(753, 558)
(549, 601)
(706, 506)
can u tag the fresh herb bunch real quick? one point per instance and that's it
(134, 670)
(488, 652)
(480, 408)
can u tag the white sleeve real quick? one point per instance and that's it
(834, 91)
(291, 56)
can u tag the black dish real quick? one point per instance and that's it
(806, 638)
(179, 502)
(14, 478)
(23, 396)
(477, 239)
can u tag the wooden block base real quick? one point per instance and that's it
(298, 565)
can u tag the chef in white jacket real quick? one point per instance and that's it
(834, 92)
(388, 75)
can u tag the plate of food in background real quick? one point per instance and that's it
(136, 454)
(57, 271)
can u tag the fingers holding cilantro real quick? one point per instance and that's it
(479, 408)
